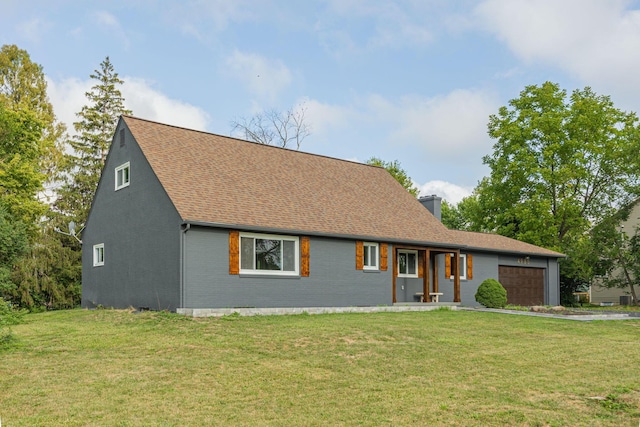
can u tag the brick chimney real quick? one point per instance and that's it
(433, 203)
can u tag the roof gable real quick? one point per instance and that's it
(214, 179)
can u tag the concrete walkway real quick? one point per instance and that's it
(397, 308)
(576, 315)
(251, 311)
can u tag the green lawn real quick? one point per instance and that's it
(107, 367)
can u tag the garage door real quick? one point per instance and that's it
(525, 286)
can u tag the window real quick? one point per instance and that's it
(98, 255)
(370, 256)
(407, 263)
(269, 254)
(122, 176)
(464, 269)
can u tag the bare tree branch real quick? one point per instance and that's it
(273, 127)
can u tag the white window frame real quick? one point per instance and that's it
(462, 267)
(296, 240)
(121, 169)
(98, 255)
(370, 262)
(408, 251)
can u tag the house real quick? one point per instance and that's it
(183, 219)
(602, 295)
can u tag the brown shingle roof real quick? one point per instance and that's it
(215, 179)
(496, 242)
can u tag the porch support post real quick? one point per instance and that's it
(425, 279)
(455, 270)
(394, 272)
(435, 273)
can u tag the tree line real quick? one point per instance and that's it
(564, 172)
(40, 267)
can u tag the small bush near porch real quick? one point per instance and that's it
(105, 367)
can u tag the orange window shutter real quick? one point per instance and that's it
(304, 256)
(384, 261)
(447, 265)
(469, 267)
(420, 264)
(234, 252)
(359, 255)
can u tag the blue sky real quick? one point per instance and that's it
(413, 81)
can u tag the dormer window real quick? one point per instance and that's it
(122, 176)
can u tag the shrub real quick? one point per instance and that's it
(8, 316)
(491, 294)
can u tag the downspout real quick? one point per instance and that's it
(183, 255)
(547, 283)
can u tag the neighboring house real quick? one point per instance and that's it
(602, 295)
(186, 219)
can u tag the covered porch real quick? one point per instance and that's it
(416, 276)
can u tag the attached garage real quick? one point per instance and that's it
(524, 285)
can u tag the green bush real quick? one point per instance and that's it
(8, 316)
(491, 294)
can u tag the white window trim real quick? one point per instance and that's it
(407, 251)
(296, 240)
(118, 169)
(375, 261)
(463, 262)
(99, 248)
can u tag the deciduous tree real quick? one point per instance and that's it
(395, 169)
(559, 164)
(13, 245)
(23, 88)
(272, 127)
(462, 216)
(21, 178)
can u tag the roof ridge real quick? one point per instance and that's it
(127, 116)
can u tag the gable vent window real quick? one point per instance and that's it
(121, 137)
(122, 176)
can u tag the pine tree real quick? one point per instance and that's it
(94, 132)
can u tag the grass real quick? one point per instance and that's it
(448, 368)
(629, 308)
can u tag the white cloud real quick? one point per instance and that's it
(34, 29)
(68, 97)
(454, 124)
(452, 193)
(261, 76)
(203, 19)
(325, 118)
(111, 24)
(594, 40)
(146, 102)
(347, 27)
